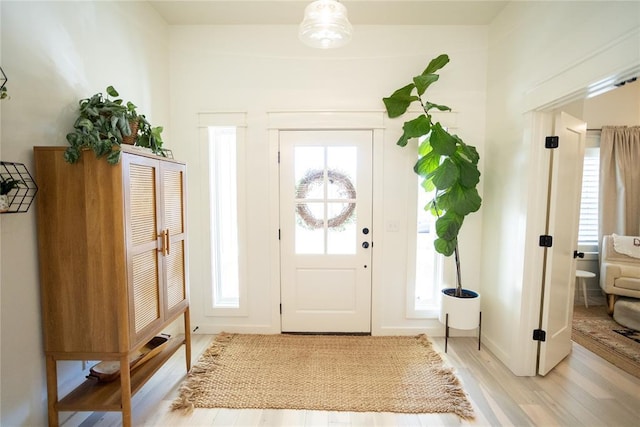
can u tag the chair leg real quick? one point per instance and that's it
(583, 282)
(611, 300)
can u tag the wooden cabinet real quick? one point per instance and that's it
(113, 268)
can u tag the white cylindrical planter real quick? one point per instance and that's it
(464, 313)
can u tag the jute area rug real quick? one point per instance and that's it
(595, 330)
(324, 372)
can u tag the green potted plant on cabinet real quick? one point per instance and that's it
(105, 122)
(6, 185)
(101, 124)
(449, 170)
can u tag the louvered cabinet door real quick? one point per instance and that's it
(141, 187)
(174, 225)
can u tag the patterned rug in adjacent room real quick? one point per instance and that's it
(324, 372)
(595, 330)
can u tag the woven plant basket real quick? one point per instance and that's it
(131, 139)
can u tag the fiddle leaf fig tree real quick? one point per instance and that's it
(448, 166)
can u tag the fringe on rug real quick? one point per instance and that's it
(434, 356)
(459, 398)
(461, 405)
(208, 362)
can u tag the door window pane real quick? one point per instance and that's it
(310, 226)
(341, 237)
(345, 161)
(325, 197)
(306, 160)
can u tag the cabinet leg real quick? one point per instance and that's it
(52, 391)
(187, 338)
(125, 388)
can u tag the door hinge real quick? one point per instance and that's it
(278, 157)
(551, 142)
(280, 308)
(546, 241)
(539, 335)
(278, 234)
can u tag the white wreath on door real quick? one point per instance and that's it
(315, 177)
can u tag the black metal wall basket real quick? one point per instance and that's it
(21, 197)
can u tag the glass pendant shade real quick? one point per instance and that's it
(325, 25)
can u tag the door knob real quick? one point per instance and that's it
(577, 254)
(365, 245)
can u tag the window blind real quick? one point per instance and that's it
(588, 228)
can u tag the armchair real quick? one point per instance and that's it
(619, 273)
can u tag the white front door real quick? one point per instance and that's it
(565, 184)
(325, 230)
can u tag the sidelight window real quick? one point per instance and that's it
(424, 264)
(226, 201)
(224, 216)
(428, 263)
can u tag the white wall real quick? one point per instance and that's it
(538, 52)
(55, 53)
(258, 70)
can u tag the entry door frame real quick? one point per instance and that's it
(324, 120)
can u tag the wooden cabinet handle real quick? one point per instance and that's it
(164, 249)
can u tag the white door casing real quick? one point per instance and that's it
(565, 183)
(326, 230)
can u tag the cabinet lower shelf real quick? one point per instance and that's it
(94, 396)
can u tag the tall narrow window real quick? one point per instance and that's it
(428, 262)
(224, 217)
(588, 227)
(424, 264)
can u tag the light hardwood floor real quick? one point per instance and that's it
(584, 390)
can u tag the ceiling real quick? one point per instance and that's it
(361, 12)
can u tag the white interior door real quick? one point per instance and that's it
(565, 184)
(325, 230)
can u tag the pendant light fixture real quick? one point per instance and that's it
(325, 25)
